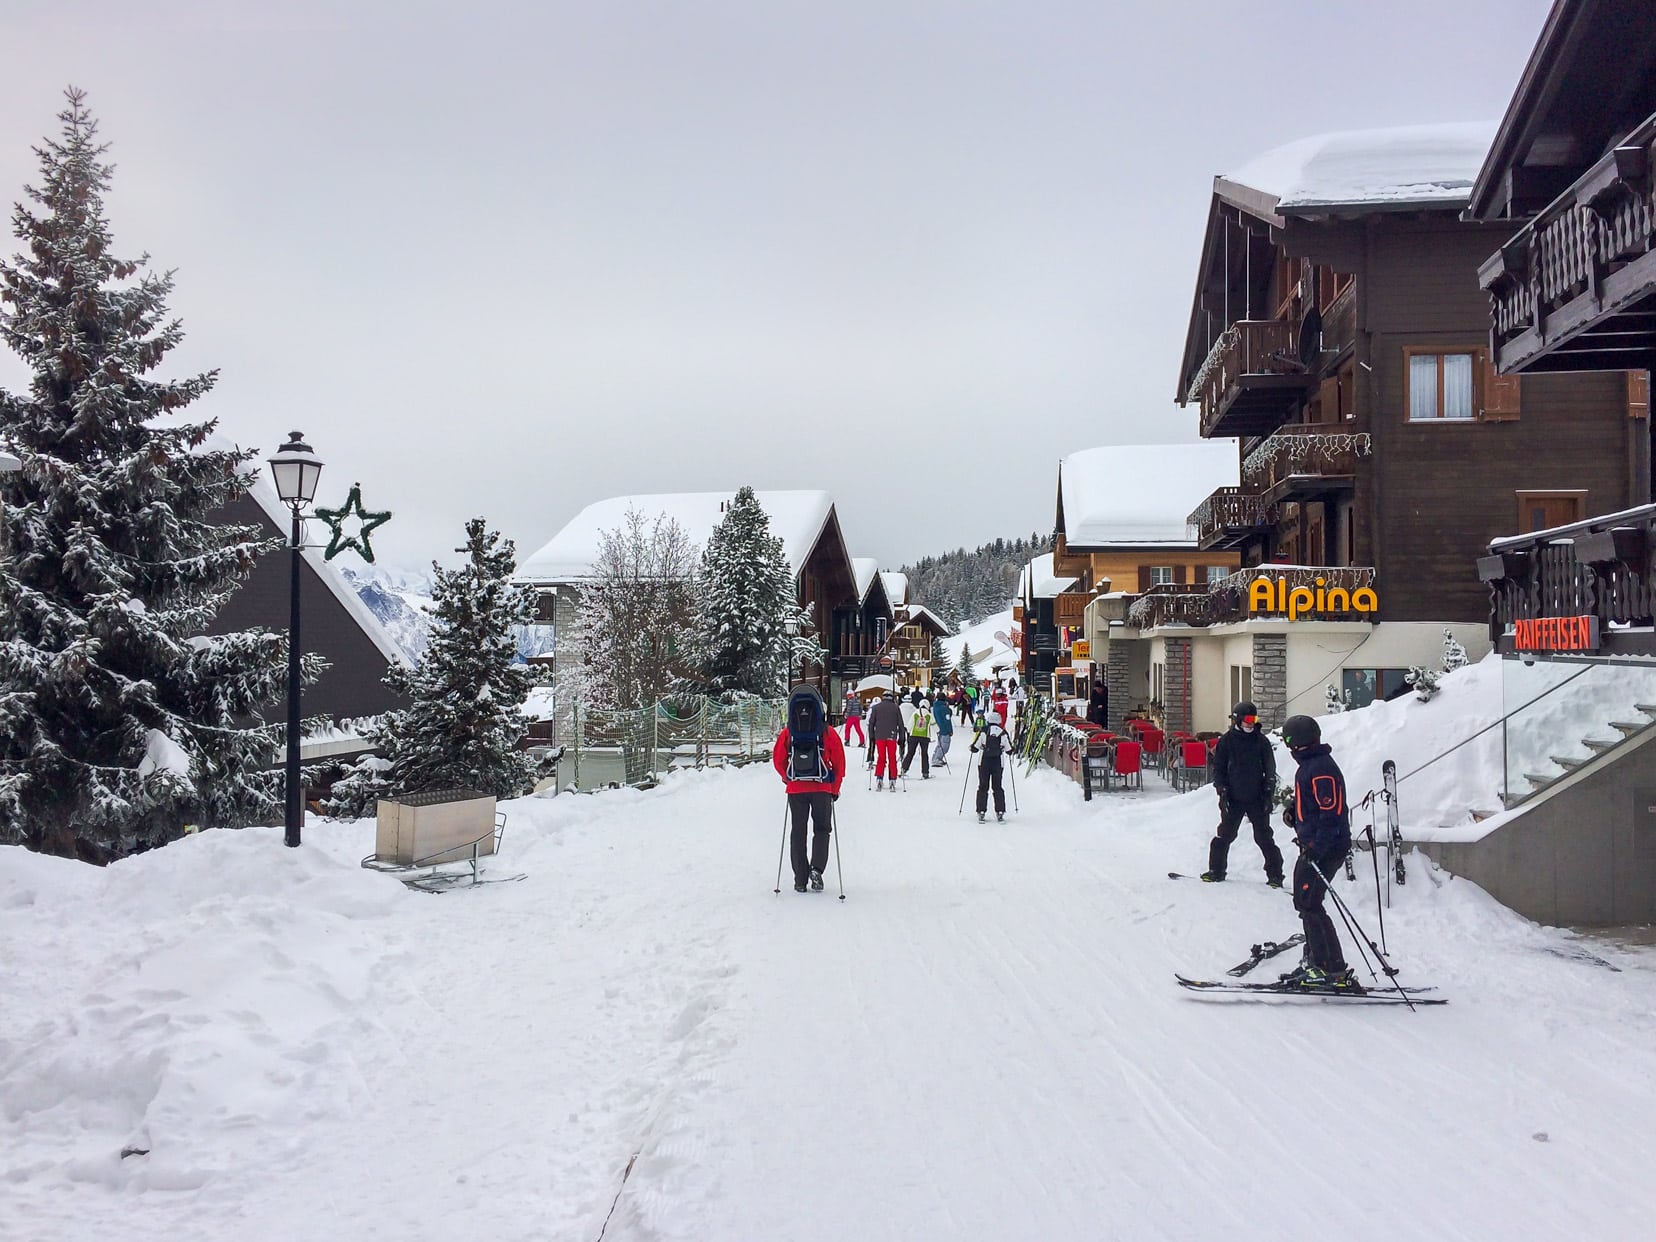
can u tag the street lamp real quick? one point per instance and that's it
(296, 469)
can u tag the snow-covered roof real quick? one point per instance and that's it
(864, 569)
(264, 492)
(1424, 164)
(9, 463)
(798, 517)
(1037, 581)
(1129, 495)
(916, 612)
(896, 587)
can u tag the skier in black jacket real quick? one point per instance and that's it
(1321, 821)
(1243, 767)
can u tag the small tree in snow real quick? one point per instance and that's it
(1333, 701)
(463, 727)
(939, 662)
(629, 643)
(119, 719)
(1454, 655)
(748, 604)
(354, 795)
(1424, 681)
(964, 668)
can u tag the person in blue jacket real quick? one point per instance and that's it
(1321, 821)
(945, 728)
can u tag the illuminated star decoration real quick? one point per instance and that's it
(336, 519)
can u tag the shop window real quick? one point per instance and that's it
(1441, 386)
(1241, 682)
(1362, 686)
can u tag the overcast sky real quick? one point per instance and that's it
(912, 253)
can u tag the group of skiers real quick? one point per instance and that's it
(810, 757)
(1244, 775)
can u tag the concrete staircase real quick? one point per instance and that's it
(1596, 746)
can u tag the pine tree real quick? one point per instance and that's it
(119, 720)
(463, 727)
(1334, 701)
(1454, 655)
(747, 603)
(964, 668)
(939, 662)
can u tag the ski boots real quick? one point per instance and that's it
(1276, 883)
(1211, 877)
(982, 818)
(816, 881)
(1299, 977)
(1000, 817)
(799, 886)
(879, 786)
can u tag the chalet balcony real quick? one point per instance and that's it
(1070, 608)
(1603, 568)
(1231, 516)
(1309, 461)
(1326, 592)
(1252, 380)
(1573, 289)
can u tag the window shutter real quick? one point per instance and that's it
(1179, 578)
(1638, 394)
(1502, 394)
(1144, 578)
(1328, 400)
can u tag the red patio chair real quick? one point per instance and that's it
(1190, 770)
(1154, 741)
(1127, 765)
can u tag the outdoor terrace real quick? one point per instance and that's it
(1229, 517)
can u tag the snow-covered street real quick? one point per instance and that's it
(983, 1041)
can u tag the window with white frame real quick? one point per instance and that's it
(1161, 575)
(1441, 386)
(1217, 574)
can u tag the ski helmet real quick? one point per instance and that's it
(993, 718)
(1243, 710)
(1300, 732)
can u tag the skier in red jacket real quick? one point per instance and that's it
(810, 758)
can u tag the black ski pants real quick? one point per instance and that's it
(805, 807)
(923, 745)
(1230, 819)
(1322, 942)
(989, 773)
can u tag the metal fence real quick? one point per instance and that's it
(637, 747)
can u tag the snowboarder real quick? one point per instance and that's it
(853, 718)
(919, 738)
(1243, 766)
(810, 758)
(993, 742)
(945, 730)
(885, 726)
(1321, 821)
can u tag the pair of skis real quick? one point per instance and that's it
(1271, 948)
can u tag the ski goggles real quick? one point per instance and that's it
(1248, 720)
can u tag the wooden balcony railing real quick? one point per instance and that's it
(1070, 608)
(1229, 513)
(1308, 451)
(1251, 379)
(1604, 567)
(1232, 598)
(1339, 321)
(1567, 254)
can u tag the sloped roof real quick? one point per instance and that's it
(864, 569)
(1408, 165)
(922, 615)
(896, 587)
(1037, 581)
(1130, 495)
(9, 463)
(798, 517)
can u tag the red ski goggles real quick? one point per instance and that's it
(1253, 720)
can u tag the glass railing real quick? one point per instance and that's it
(1560, 714)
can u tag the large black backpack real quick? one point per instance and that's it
(807, 722)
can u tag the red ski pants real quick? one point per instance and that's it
(885, 751)
(854, 722)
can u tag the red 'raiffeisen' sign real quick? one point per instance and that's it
(1556, 634)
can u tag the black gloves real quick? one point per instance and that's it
(1288, 816)
(836, 797)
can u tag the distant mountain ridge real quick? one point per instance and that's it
(400, 600)
(965, 587)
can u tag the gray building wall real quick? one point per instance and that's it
(1582, 854)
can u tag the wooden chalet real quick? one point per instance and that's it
(1047, 613)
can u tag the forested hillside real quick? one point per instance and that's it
(964, 587)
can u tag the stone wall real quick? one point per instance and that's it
(1270, 678)
(1177, 692)
(1117, 678)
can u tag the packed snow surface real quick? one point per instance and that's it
(1136, 494)
(1429, 164)
(988, 652)
(983, 1041)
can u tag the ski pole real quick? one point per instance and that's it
(833, 817)
(1356, 931)
(963, 785)
(1012, 775)
(1374, 857)
(781, 848)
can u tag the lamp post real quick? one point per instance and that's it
(296, 469)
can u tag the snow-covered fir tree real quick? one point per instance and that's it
(1424, 681)
(748, 604)
(1334, 702)
(939, 662)
(462, 728)
(120, 719)
(964, 668)
(1454, 655)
